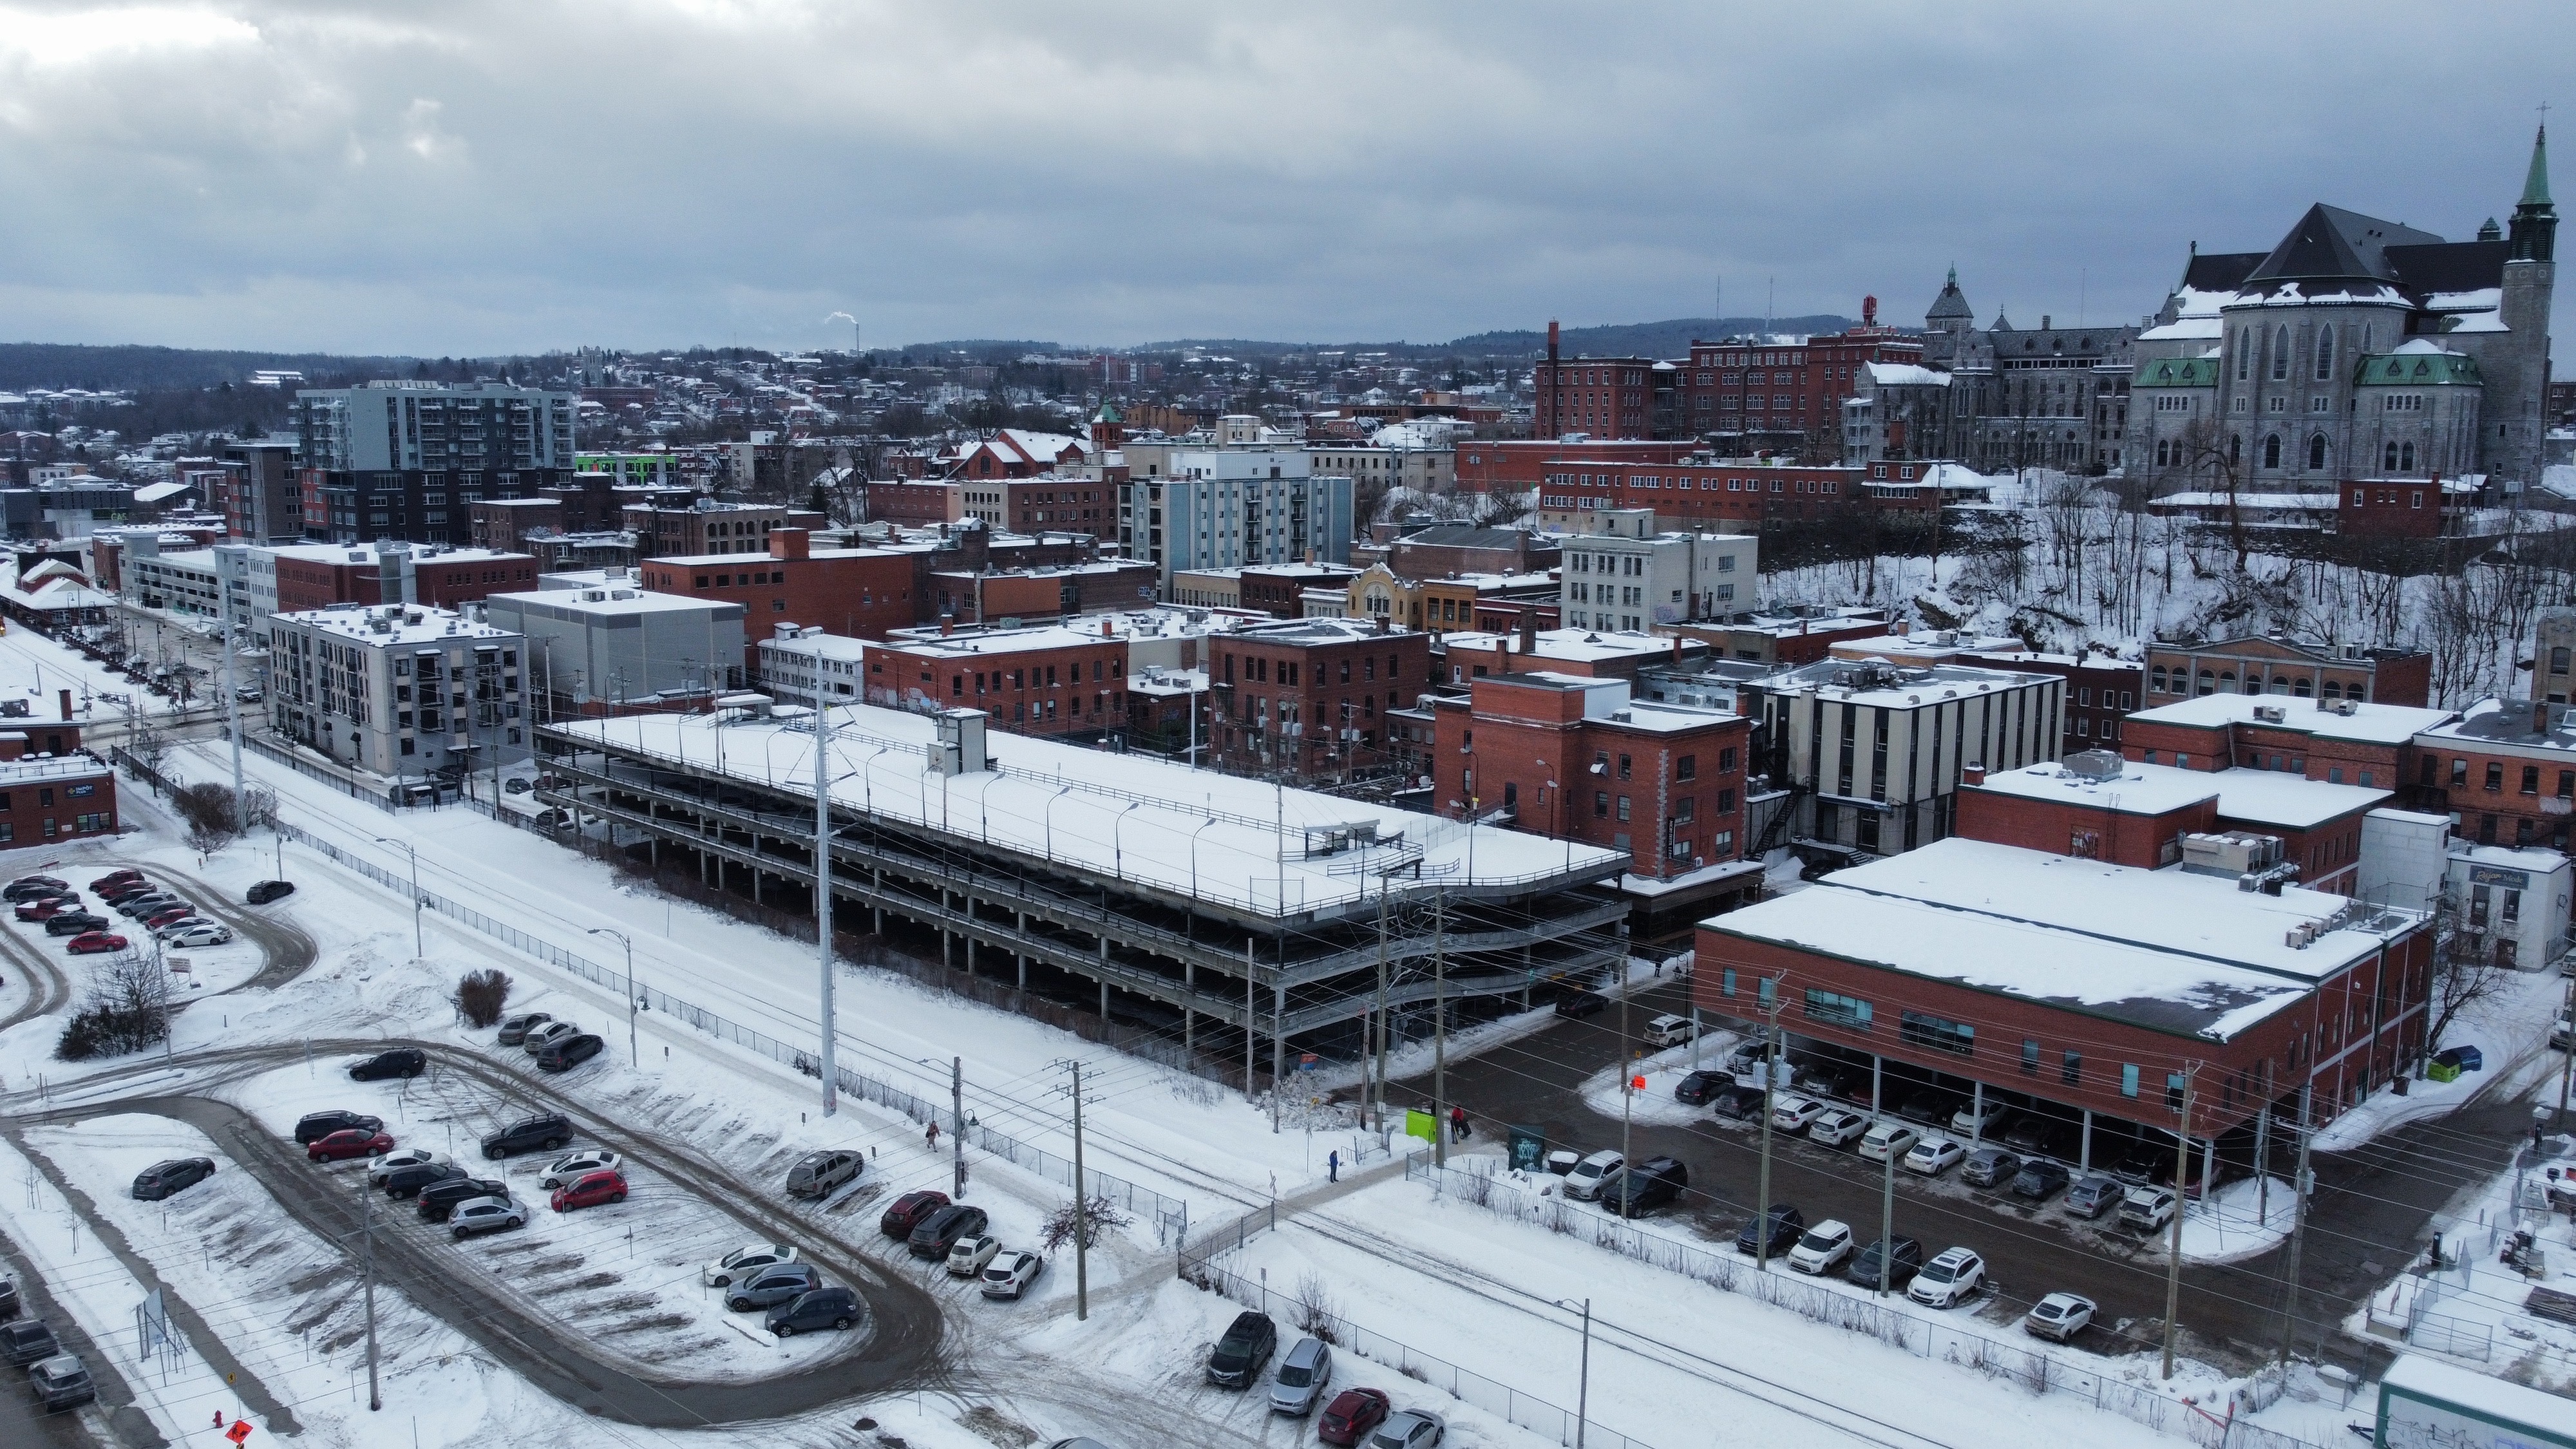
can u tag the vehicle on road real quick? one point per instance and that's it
(1670, 1031)
(966, 1259)
(749, 1258)
(1696, 1088)
(910, 1211)
(1837, 1126)
(194, 936)
(1574, 1001)
(91, 943)
(405, 1182)
(269, 890)
(565, 1169)
(1301, 1377)
(2040, 1179)
(589, 1190)
(567, 1052)
(24, 1343)
(1949, 1279)
(1990, 1167)
(60, 1383)
(8, 1297)
(1646, 1186)
(1771, 1234)
(1585, 1181)
(2147, 1208)
(1903, 1262)
(1980, 1118)
(403, 1062)
(312, 1127)
(778, 1283)
(1738, 1103)
(2059, 1316)
(1795, 1113)
(1822, 1246)
(1010, 1274)
(2090, 1197)
(437, 1202)
(485, 1215)
(516, 785)
(833, 1308)
(1351, 1415)
(342, 1146)
(516, 1026)
(820, 1174)
(938, 1233)
(1412, 1429)
(1886, 1139)
(75, 923)
(546, 1132)
(538, 1036)
(1239, 1356)
(162, 1179)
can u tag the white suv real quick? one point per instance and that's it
(1948, 1280)
(1822, 1246)
(1795, 1114)
(1585, 1180)
(1669, 1031)
(1888, 1139)
(1837, 1125)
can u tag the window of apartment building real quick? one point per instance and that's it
(2030, 1056)
(1924, 1030)
(1836, 1009)
(1600, 804)
(1623, 809)
(2531, 779)
(2128, 1079)
(1623, 772)
(2070, 1069)
(2175, 1088)
(2495, 777)
(2459, 773)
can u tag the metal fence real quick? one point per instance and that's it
(1170, 1215)
(2441, 1333)
(1480, 1185)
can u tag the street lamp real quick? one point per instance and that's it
(1047, 815)
(1194, 865)
(418, 951)
(1583, 1385)
(632, 1000)
(1117, 846)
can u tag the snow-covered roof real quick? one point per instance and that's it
(2136, 790)
(417, 624)
(2416, 1376)
(2379, 724)
(1905, 374)
(1225, 839)
(159, 492)
(2286, 801)
(1574, 644)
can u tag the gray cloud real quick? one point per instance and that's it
(488, 176)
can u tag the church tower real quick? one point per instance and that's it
(2515, 408)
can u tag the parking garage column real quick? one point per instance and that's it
(1976, 1113)
(2084, 1154)
(1875, 1061)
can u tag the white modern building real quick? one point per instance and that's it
(610, 645)
(406, 693)
(390, 425)
(1244, 494)
(787, 665)
(1623, 574)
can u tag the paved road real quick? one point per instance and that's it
(112, 1420)
(52, 990)
(287, 951)
(2371, 1213)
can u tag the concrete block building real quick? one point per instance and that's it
(411, 694)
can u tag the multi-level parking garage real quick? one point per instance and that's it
(1235, 913)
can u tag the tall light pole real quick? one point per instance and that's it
(1047, 817)
(1583, 1383)
(1117, 847)
(634, 1055)
(823, 883)
(232, 699)
(418, 951)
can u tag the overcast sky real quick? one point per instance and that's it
(481, 176)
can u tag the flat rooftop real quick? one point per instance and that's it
(2268, 797)
(2378, 724)
(610, 601)
(358, 623)
(2498, 722)
(1570, 644)
(1897, 686)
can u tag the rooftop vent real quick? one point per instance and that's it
(2271, 714)
(2096, 765)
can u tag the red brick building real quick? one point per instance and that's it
(1041, 504)
(1782, 390)
(859, 593)
(1050, 680)
(1307, 699)
(2281, 665)
(1514, 464)
(319, 575)
(2101, 689)
(1013, 453)
(2402, 507)
(1584, 653)
(53, 797)
(2101, 807)
(915, 502)
(2337, 741)
(988, 596)
(1788, 639)
(2505, 774)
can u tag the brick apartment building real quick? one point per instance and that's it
(2101, 689)
(1787, 637)
(1445, 550)
(2279, 664)
(1030, 505)
(915, 502)
(2337, 741)
(2506, 774)
(1048, 680)
(1279, 590)
(859, 593)
(322, 575)
(990, 596)
(1585, 653)
(53, 796)
(1307, 699)
(1777, 392)
(708, 527)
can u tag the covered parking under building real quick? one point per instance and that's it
(1233, 914)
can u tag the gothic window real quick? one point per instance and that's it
(2235, 449)
(2244, 353)
(2367, 333)
(2325, 354)
(2281, 353)
(2164, 456)
(2272, 451)
(2317, 450)
(2407, 453)
(2388, 457)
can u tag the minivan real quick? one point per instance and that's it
(1669, 1031)
(1302, 1376)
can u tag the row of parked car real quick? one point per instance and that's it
(931, 1226)
(58, 1379)
(1364, 1417)
(51, 902)
(558, 1046)
(1953, 1276)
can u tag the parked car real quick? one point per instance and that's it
(567, 1052)
(938, 1233)
(485, 1215)
(590, 1159)
(833, 1308)
(1412, 1429)
(546, 1132)
(199, 935)
(749, 1258)
(968, 1255)
(1738, 1103)
(539, 1035)
(515, 1027)
(162, 1179)
(1979, 1117)
(1646, 1186)
(1837, 1126)
(2040, 1179)
(151, 904)
(341, 1146)
(403, 1062)
(1579, 1003)
(60, 1383)
(405, 1182)
(1585, 1181)
(27, 887)
(778, 1283)
(8, 1297)
(393, 1161)
(2147, 1208)
(2029, 1133)
(820, 1174)
(1990, 1167)
(116, 877)
(312, 1127)
(1670, 1031)
(589, 1190)
(1301, 1377)
(269, 890)
(2090, 1197)
(1771, 1234)
(516, 785)
(75, 923)
(2059, 1316)
(1824, 1079)
(1819, 1248)
(1795, 1113)
(171, 917)
(132, 885)
(909, 1211)
(1929, 1105)
(437, 1202)
(1239, 1356)
(91, 943)
(2142, 1165)
(1888, 1139)
(24, 1343)
(1010, 1274)
(1351, 1415)
(45, 908)
(1903, 1262)
(1696, 1088)
(165, 929)
(1949, 1279)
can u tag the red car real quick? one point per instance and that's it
(135, 885)
(114, 877)
(1350, 1416)
(350, 1142)
(910, 1211)
(170, 917)
(45, 908)
(90, 943)
(589, 1190)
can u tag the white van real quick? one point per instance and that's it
(1670, 1031)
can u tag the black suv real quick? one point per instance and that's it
(531, 1134)
(439, 1199)
(940, 1231)
(566, 1052)
(1902, 1264)
(834, 1308)
(1649, 1184)
(73, 923)
(162, 1179)
(404, 1181)
(400, 1062)
(1575, 1001)
(24, 1343)
(1698, 1087)
(1246, 1348)
(1737, 1102)
(270, 890)
(31, 887)
(315, 1126)
(1787, 1225)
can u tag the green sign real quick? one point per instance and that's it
(1422, 1125)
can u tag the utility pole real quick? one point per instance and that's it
(1627, 1102)
(1583, 1385)
(1381, 1010)
(1762, 1196)
(823, 880)
(2300, 1187)
(957, 1118)
(2567, 1064)
(1251, 1038)
(1081, 1212)
(2182, 1170)
(1887, 1220)
(1439, 1032)
(367, 1217)
(232, 700)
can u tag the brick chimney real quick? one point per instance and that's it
(63, 700)
(947, 625)
(1972, 774)
(1105, 631)
(790, 543)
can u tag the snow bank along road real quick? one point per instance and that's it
(901, 1348)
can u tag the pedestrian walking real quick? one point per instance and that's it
(1333, 1166)
(930, 1137)
(1458, 1124)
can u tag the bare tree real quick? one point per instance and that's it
(2463, 976)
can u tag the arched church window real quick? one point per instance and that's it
(2272, 451)
(2316, 450)
(2325, 354)
(2281, 353)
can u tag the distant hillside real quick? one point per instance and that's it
(1641, 339)
(51, 364)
